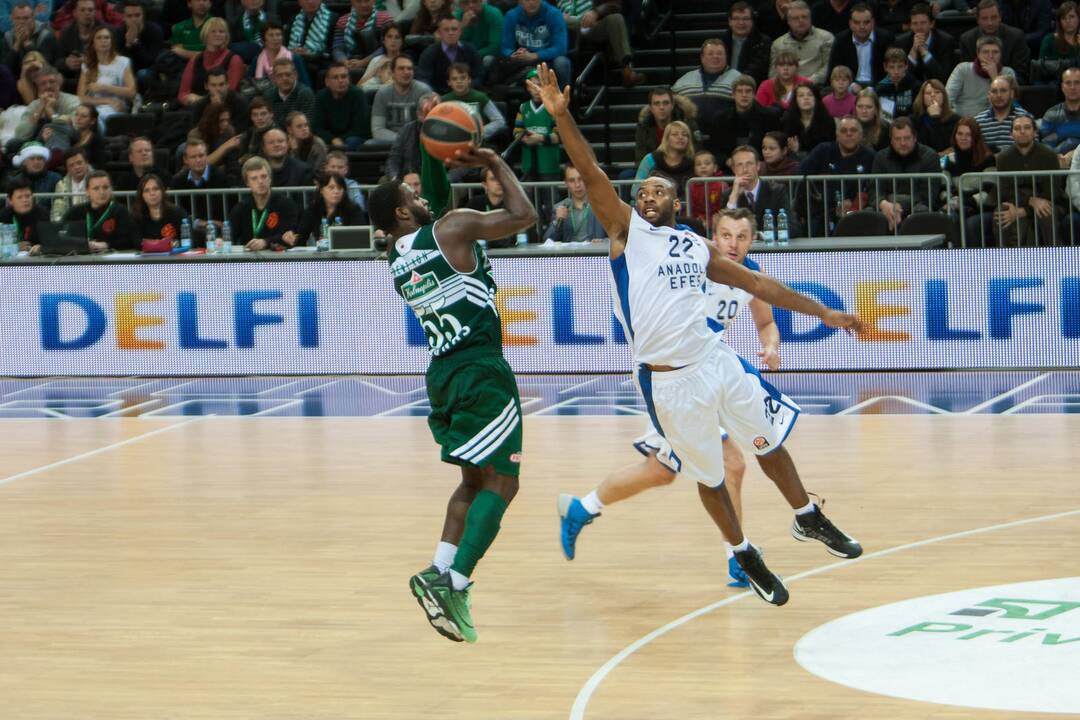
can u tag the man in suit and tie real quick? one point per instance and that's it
(1015, 53)
(862, 48)
(751, 192)
(931, 52)
(747, 47)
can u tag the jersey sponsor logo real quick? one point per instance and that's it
(515, 458)
(760, 442)
(419, 285)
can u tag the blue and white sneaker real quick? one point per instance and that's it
(574, 518)
(738, 575)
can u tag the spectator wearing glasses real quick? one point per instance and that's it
(747, 47)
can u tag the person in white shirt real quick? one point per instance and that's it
(107, 81)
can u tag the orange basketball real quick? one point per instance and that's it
(449, 127)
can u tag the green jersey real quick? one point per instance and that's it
(544, 158)
(455, 309)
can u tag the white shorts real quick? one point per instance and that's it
(694, 408)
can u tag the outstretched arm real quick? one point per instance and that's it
(459, 229)
(774, 292)
(612, 212)
(768, 333)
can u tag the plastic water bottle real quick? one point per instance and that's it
(768, 229)
(185, 236)
(781, 228)
(211, 238)
(226, 238)
(522, 239)
(9, 245)
(324, 236)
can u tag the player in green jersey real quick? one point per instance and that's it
(443, 274)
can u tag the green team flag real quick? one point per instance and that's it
(434, 184)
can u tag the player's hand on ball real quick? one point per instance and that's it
(473, 157)
(847, 321)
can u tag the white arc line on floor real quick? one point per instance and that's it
(577, 712)
(1008, 393)
(91, 453)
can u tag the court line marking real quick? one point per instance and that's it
(98, 451)
(577, 712)
(899, 398)
(1008, 393)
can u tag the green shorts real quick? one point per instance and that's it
(476, 412)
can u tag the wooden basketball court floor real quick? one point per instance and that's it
(256, 567)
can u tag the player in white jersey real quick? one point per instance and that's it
(687, 374)
(722, 305)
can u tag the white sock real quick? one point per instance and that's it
(444, 556)
(807, 509)
(728, 551)
(741, 547)
(592, 503)
(459, 580)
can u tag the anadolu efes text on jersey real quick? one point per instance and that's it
(658, 285)
(455, 309)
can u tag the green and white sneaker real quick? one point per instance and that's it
(420, 584)
(455, 605)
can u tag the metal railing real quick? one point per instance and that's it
(816, 204)
(972, 201)
(203, 204)
(984, 201)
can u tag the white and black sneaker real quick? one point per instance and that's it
(815, 526)
(768, 585)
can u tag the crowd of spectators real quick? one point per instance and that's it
(851, 87)
(265, 93)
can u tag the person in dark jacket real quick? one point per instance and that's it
(933, 117)
(832, 199)
(744, 123)
(931, 52)
(154, 216)
(664, 106)
(1015, 52)
(287, 170)
(332, 204)
(904, 156)
(435, 61)
(22, 212)
(747, 47)
(405, 152)
(105, 223)
(260, 221)
(845, 49)
(139, 39)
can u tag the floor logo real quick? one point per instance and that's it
(1009, 647)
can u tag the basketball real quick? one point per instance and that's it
(449, 127)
